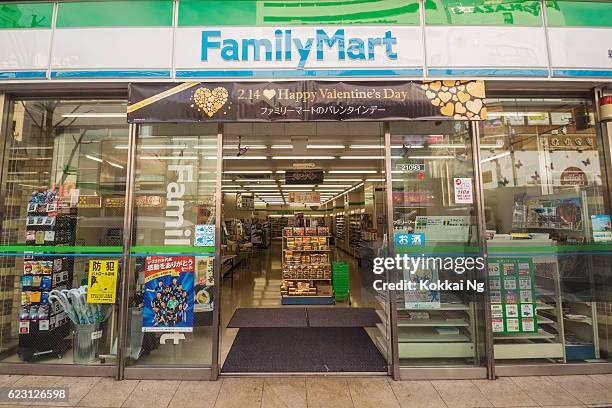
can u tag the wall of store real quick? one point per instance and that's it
(162, 39)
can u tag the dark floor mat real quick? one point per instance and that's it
(342, 317)
(269, 317)
(303, 350)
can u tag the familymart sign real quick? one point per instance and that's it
(299, 48)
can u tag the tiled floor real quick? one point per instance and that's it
(327, 392)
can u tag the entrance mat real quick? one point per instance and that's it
(342, 317)
(269, 317)
(303, 350)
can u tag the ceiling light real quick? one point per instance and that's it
(279, 172)
(245, 157)
(94, 158)
(303, 157)
(335, 185)
(248, 172)
(497, 156)
(362, 157)
(375, 179)
(352, 171)
(281, 146)
(325, 146)
(158, 147)
(254, 147)
(447, 146)
(167, 157)
(346, 179)
(94, 115)
(297, 185)
(115, 165)
(213, 147)
(431, 157)
(230, 191)
(366, 147)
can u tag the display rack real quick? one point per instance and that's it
(276, 226)
(306, 266)
(43, 325)
(340, 233)
(437, 332)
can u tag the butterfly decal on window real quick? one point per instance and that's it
(586, 162)
(518, 164)
(535, 176)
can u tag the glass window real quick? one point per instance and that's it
(288, 12)
(26, 15)
(548, 227)
(63, 193)
(115, 13)
(172, 254)
(479, 12)
(435, 228)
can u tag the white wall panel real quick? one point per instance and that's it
(408, 48)
(580, 47)
(486, 47)
(112, 48)
(24, 49)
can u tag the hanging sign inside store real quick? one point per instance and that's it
(114, 202)
(463, 190)
(304, 165)
(306, 101)
(561, 142)
(102, 281)
(89, 202)
(304, 176)
(305, 197)
(169, 294)
(245, 202)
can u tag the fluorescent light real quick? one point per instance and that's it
(346, 179)
(121, 147)
(279, 172)
(362, 157)
(115, 165)
(293, 191)
(325, 146)
(335, 185)
(254, 147)
(244, 157)
(167, 157)
(352, 171)
(281, 146)
(330, 190)
(303, 157)
(205, 147)
(94, 158)
(230, 191)
(248, 172)
(94, 115)
(366, 147)
(375, 179)
(239, 180)
(263, 190)
(158, 147)
(431, 157)
(447, 146)
(263, 186)
(497, 156)
(297, 185)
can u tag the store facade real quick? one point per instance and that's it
(89, 191)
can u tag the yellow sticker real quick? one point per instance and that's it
(102, 281)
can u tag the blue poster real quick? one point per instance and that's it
(204, 235)
(168, 294)
(602, 229)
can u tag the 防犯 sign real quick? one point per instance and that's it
(102, 281)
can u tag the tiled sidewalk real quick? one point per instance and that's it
(329, 392)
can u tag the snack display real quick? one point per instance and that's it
(306, 264)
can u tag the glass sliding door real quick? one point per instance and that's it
(435, 232)
(172, 257)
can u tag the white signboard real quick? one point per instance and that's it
(463, 190)
(307, 47)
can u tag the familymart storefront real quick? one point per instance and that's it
(148, 213)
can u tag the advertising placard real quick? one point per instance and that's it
(168, 294)
(463, 190)
(602, 228)
(102, 281)
(306, 197)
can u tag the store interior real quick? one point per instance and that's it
(295, 242)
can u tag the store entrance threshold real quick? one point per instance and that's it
(303, 340)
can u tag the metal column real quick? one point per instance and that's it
(128, 222)
(218, 265)
(480, 219)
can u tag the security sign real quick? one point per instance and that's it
(102, 281)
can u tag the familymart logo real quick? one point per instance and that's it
(287, 45)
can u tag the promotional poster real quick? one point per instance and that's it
(168, 294)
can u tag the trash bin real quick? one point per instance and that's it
(86, 342)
